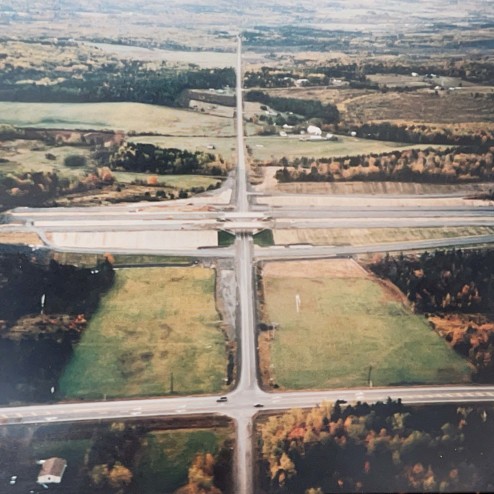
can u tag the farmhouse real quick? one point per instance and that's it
(52, 471)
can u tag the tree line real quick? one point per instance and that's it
(382, 447)
(127, 80)
(44, 310)
(307, 108)
(411, 165)
(142, 158)
(445, 283)
(421, 134)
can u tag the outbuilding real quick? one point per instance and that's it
(52, 470)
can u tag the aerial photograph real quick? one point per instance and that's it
(246, 247)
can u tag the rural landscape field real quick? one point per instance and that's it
(246, 248)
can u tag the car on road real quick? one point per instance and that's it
(258, 405)
(222, 399)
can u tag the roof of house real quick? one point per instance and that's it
(53, 466)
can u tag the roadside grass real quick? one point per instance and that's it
(264, 238)
(167, 456)
(175, 181)
(129, 117)
(346, 325)
(273, 148)
(364, 236)
(92, 260)
(155, 322)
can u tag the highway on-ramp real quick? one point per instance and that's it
(240, 404)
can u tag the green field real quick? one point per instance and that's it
(31, 156)
(224, 146)
(153, 322)
(128, 117)
(167, 456)
(275, 147)
(346, 325)
(175, 181)
(364, 236)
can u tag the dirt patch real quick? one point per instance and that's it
(29, 238)
(334, 268)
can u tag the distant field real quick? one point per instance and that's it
(154, 322)
(364, 236)
(129, 117)
(347, 322)
(204, 59)
(456, 106)
(273, 148)
(175, 181)
(28, 155)
(225, 146)
(164, 464)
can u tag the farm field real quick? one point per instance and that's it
(459, 106)
(203, 59)
(364, 236)
(276, 147)
(224, 146)
(128, 117)
(348, 321)
(27, 156)
(146, 329)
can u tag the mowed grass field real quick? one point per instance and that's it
(272, 148)
(364, 236)
(167, 456)
(153, 322)
(129, 117)
(348, 322)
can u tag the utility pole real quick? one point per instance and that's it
(171, 383)
(369, 381)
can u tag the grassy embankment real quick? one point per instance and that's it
(364, 236)
(345, 325)
(154, 322)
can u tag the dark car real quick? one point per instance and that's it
(222, 399)
(258, 405)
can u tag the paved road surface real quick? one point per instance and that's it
(241, 401)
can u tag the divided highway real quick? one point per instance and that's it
(241, 401)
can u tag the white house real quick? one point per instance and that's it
(52, 470)
(314, 131)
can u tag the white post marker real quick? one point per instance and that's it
(297, 302)
(43, 298)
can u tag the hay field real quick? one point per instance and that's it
(128, 117)
(349, 321)
(152, 323)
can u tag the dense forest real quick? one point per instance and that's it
(127, 80)
(411, 165)
(456, 288)
(307, 108)
(150, 158)
(43, 312)
(383, 447)
(421, 134)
